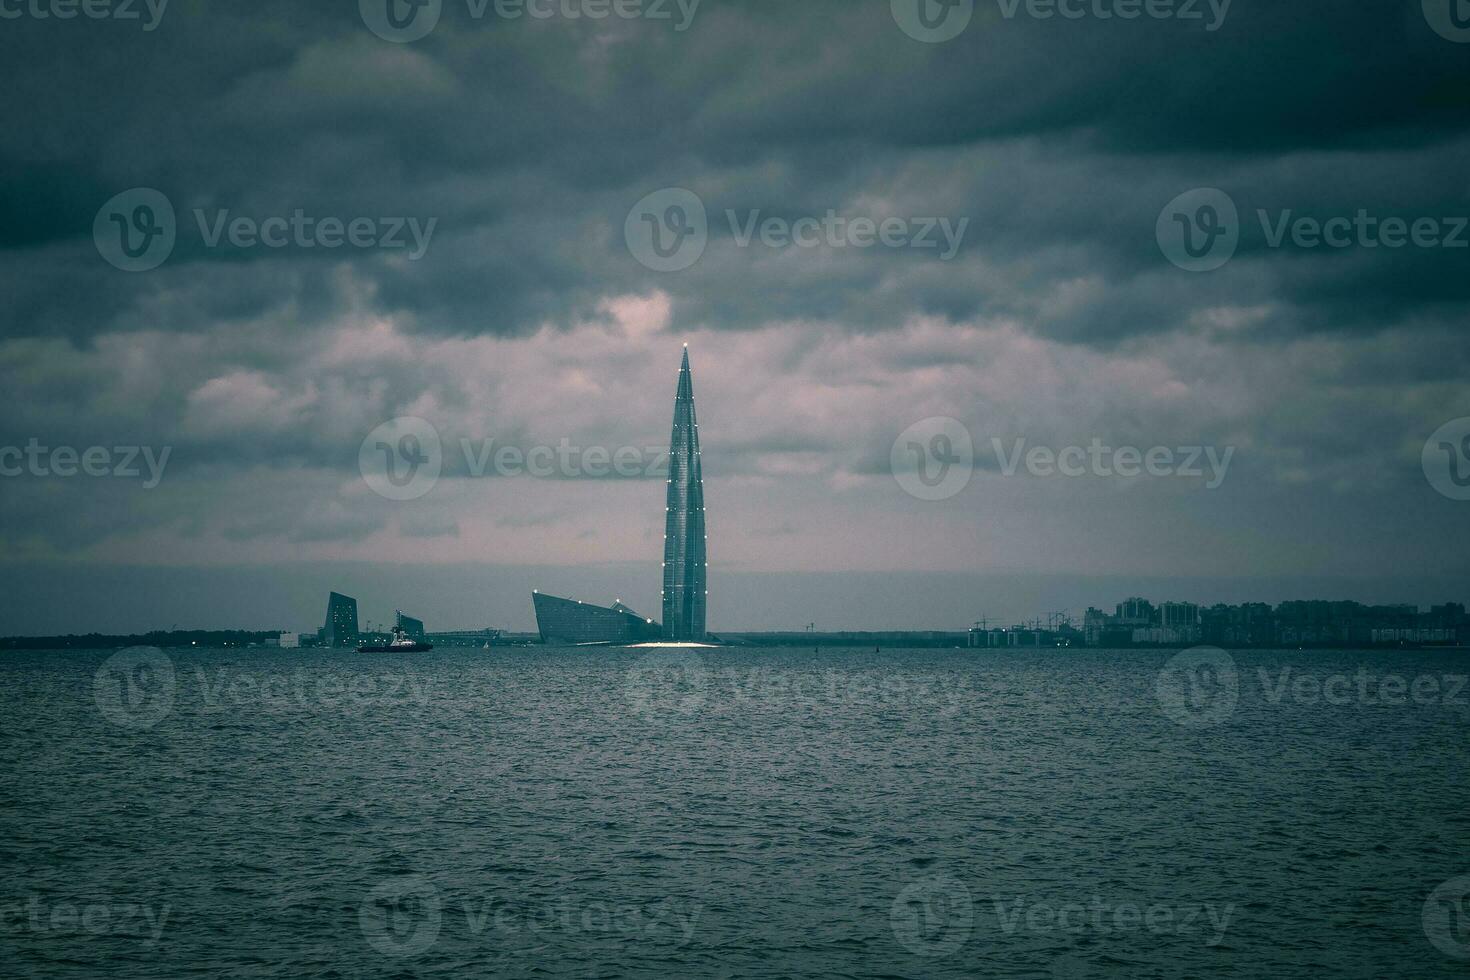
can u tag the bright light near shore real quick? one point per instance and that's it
(666, 645)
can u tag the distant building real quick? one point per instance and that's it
(979, 636)
(1165, 636)
(1449, 614)
(466, 638)
(1023, 636)
(1095, 623)
(413, 627)
(571, 621)
(685, 591)
(1135, 612)
(1178, 615)
(685, 558)
(289, 641)
(1179, 622)
(341, 627)
(1246, 625)
(1313, 623)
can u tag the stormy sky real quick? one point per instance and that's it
(345, 226)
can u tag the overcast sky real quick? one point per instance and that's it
(504, 175)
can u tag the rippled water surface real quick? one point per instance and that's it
(545, 812)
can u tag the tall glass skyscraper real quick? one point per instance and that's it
(684, 534)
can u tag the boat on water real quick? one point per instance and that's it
(401, 643)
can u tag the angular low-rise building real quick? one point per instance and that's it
(573, 622)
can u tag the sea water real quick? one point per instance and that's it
(735, 812)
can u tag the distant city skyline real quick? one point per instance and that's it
(462, 597)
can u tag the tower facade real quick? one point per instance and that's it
(685, 563)
(341, 626)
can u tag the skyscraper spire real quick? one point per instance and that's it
(684, 534)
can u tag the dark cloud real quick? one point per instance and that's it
(529, 140)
